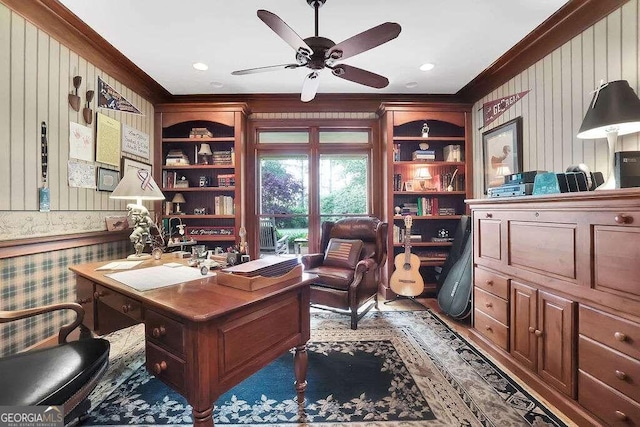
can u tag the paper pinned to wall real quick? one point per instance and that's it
(80, 174)
(107, 140)
(135, 142)
(80, 142)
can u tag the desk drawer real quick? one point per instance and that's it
(492, 329)
(164, 331)
(491, 305)
(166, 367)
(611, 367)
(609, 405)
(121, 303)
(491, 282)
(619, 334)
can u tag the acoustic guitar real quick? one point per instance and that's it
(406, 279)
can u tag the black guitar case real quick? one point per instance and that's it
(454, 297)
(462, 233)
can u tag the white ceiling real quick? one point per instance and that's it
(164, 38)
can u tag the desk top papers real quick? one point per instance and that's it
(144, 279)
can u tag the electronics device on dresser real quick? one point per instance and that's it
(406, 279)
(627, 169)
(511, 190)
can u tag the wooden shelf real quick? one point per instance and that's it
(225, 238)
(427, 217)
(185, 216)
(430, 193)
(429, 139)
(199, 189)
(199, 140)
(190, 167)
(429, 162)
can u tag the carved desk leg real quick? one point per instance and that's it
(300, 364)
(203, 418)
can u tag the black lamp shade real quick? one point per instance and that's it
(617, 107)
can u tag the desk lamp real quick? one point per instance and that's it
(422, 175)
(614, 110)
(177, 199)
(138, 185)
(204, 153)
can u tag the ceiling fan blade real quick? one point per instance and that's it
(358, 75)
(263, 69)
(285, 32)
(364, 41)
(310, 86)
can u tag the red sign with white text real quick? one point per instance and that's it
(493, 109)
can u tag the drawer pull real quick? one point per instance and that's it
(159, 332)
(159, 367)
(623, 219)
(489, 215)
(84, 301)
(98, 294)
(621, 375)
(538, 333)
(620, 336)
(489, 305)
(126, 308)
(621, 416)
(531, 330)
(488, 328)
(489, 282)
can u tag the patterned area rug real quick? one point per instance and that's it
(397, 369)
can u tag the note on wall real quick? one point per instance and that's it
(135, 142)
(107, 140)
(81, 174)
(80, 142)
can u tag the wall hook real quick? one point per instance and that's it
(74, 99)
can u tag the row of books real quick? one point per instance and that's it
(171, 179)
(450, 153)
(200, 133)
(426, 206)
(176, 157)
(226, 180)
(222, 157)
(223, 205)
(423, 155)
(399, 235)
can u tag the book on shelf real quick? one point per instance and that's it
(226, 180)
(397, 182)
(176, 157)
(452, 153)
(423, 155)
(200, 133)
(223, 205)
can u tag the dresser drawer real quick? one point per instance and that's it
(121, 303)
(610, 406)
(620, 334)
(491, 282)
(166, 366)
(491, 305)
(166, 332)
(492, 329)
(609, 366)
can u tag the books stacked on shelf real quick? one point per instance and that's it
(446, 211)
(427, 206)
(451, 153)
(223, 157)
(223, 205)
(415, 238)
(457, 183)
(226, 180)
(181, 182)
(410, 209)
(176, 157)
(424, 155)
(397, 182)
(398, 234)
(200, 133)
(432, 255)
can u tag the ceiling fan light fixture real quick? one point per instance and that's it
(200, 66)
(427, 66)
(216, 84)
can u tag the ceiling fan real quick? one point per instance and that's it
(317, 53)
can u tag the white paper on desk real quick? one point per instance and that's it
(144, 279)
(119, 265)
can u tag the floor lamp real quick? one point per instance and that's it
(138, 185)
(614, 110)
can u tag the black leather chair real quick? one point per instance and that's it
(348, 284)
(62, 375)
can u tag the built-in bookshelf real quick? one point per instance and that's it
(428, 177)
(199, 161)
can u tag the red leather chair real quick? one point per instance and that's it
(348, 268)
(63, 375)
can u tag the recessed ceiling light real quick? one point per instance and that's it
(427, 66)
(216, 84)
(411, 85)
(200, 66)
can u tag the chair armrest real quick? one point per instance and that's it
(65, 330)
(311, 260)
(365, 265)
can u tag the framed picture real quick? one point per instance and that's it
(408, 186)
(128, 163)
(108, 179)
(502, 149)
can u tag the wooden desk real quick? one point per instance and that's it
(203, 338)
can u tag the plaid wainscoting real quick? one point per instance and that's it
(41, 279)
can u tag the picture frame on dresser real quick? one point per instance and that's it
(502, 148)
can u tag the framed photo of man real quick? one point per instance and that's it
(502, 148)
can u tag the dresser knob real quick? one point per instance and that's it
(489, 305)
(531, 330)
(621, 416)
(159, 332)
(538, 333)
(620, 336)
(623, 219)
(126, 308)
(488, 328)
(98, 294)
(621, 375)
(84, 301)
(489, 215)
(159, 367)
(489, 282)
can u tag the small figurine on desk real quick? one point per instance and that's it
(142, 224)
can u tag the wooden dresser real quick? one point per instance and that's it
(557, 298)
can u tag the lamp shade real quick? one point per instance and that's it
(137, 184)
(205, 149)
(178, 198)
(615, 106)
(423, 173)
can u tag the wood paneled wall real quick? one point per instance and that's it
(36, 73)
(561, 87)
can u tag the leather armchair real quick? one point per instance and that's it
(346, 290)
(62, 375)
